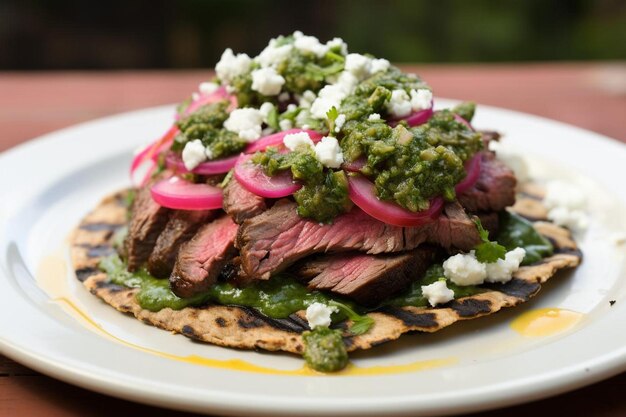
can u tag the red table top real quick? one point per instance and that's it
(591, 96)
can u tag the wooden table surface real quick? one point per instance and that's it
(592, 96)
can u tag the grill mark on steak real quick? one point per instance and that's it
(495, 188)
(368, 279)
(240, 203)
(148, 219)
(275, 239)
(182, 225)
(201, 259)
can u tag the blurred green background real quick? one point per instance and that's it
(159, 34)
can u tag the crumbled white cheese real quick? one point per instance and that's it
(566, 205)
(285, 124)
(362, 66)
(246, 123)
(321, 106)
(576, 220)
(328, 97)
(307, 99)
(464, 269)
(309, 44)
(303, 118)
(231, 65)
(359, 65)
(194, 154)
(207, 88)
(373, 116)
(298, 140)
(332, 94)
(328, 152)
(265, 110)
(400, 104)
(318, 315)
(502, 270)
(339, 122)
(437, 293)
(273, 55)
(347, 82)
(379, 65)
(267, 81)
(338, 43)
(421, 99)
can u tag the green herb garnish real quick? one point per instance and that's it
(360, 324)
(488, 251)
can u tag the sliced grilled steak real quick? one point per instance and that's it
(490, 222)
(240, 203)
(148, 219)
(180, 228)
(494, 190)
(368, 279)
(277, 238)
(201, 259)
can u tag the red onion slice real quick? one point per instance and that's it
(176, 193)
(252, 177)
(218, 166)
(362, 193)
(472, 172)
(463, 121)
(354, 166)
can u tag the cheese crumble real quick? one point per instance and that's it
(318, 315)
(437, 293)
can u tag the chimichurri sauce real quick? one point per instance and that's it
(206, 124)
(324, 350)
(277, 298)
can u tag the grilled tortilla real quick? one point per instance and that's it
(246, 328)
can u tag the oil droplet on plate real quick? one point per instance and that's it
(545, 322)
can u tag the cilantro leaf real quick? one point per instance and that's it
(332, 115)
(487, 252)
(360, 324)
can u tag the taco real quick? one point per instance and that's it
(312, 201)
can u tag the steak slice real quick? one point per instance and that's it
(148, 219)
(368, 279)
(495, 188)
(201, 259)
(277, 238)
(241, 204)
(183, 224)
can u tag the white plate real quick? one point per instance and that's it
(50, 183)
